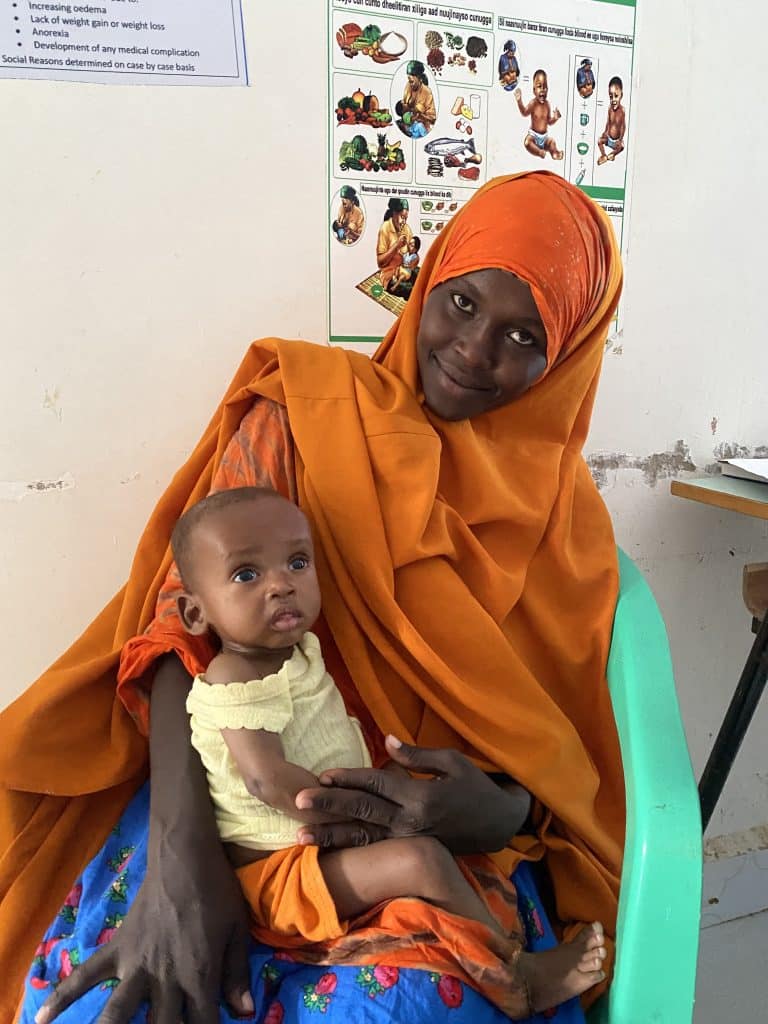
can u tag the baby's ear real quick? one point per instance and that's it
(191, 614)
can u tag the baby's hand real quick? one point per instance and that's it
(556, 114)
(518, 94)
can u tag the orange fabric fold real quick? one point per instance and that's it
(468, 572)
(289, 900)
(292, 909)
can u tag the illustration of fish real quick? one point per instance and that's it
(449, 147)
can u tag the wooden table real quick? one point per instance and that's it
(750, 499)
(745, 496)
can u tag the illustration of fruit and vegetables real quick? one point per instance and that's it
(458, 53)
(356, 155)
(362, 108)
(382, 48)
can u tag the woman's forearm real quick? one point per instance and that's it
(179, 800)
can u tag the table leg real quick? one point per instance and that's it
(735, 724)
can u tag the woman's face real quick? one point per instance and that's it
(399, 218)
(481, 344)
(415, 82)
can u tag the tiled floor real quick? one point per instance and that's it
(732, 985)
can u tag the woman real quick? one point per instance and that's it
(509, 68)
(416, 110)
(471, 615)
(393, 239)
(350, 220)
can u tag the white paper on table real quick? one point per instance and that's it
(746, 469)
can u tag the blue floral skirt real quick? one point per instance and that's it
(284, 992)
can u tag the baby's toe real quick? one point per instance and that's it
(590, 962)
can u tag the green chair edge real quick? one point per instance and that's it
(661, 882)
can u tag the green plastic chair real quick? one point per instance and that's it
(660, 895)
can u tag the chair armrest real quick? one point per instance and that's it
(661, 881)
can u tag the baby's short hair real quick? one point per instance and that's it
(182, 536)
(616, 81)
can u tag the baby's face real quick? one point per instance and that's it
(255, 574)
(540, 87)
(411, 246)
(614, 94)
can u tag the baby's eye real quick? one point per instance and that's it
(462, 302)
(523, 338)
(298, 563)
(245, 576)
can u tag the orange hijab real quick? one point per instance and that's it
(468, 570)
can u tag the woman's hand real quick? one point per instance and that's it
(461, 806)
(171, 946)
(184, 942)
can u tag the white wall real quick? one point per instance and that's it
(149, 233)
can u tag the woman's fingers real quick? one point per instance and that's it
(124, 1001)
(368, 780)
(97, 968)
(166, 1002)
(347, 804)
(202, 1010)
(341, 836)
(236, 975)
(439, 761)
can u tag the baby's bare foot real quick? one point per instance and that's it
(568, 970)
(557, 154)
(602, 159)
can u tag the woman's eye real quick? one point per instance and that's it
(521, 338)
(245, 576)
(297, 564)
(462, 302)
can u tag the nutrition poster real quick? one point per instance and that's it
(427, 102)
(156, 42)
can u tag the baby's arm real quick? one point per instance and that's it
(259, 754)
(553, 116)
(524, 110)
(268, 776)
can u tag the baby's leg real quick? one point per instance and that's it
(566, 971)
(360, 877)
(554, 152)
(531, 146)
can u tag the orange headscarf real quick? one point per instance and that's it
(468, 572)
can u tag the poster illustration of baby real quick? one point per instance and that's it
(538, 141)
(611, 142)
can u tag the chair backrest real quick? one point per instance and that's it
(660, 897)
